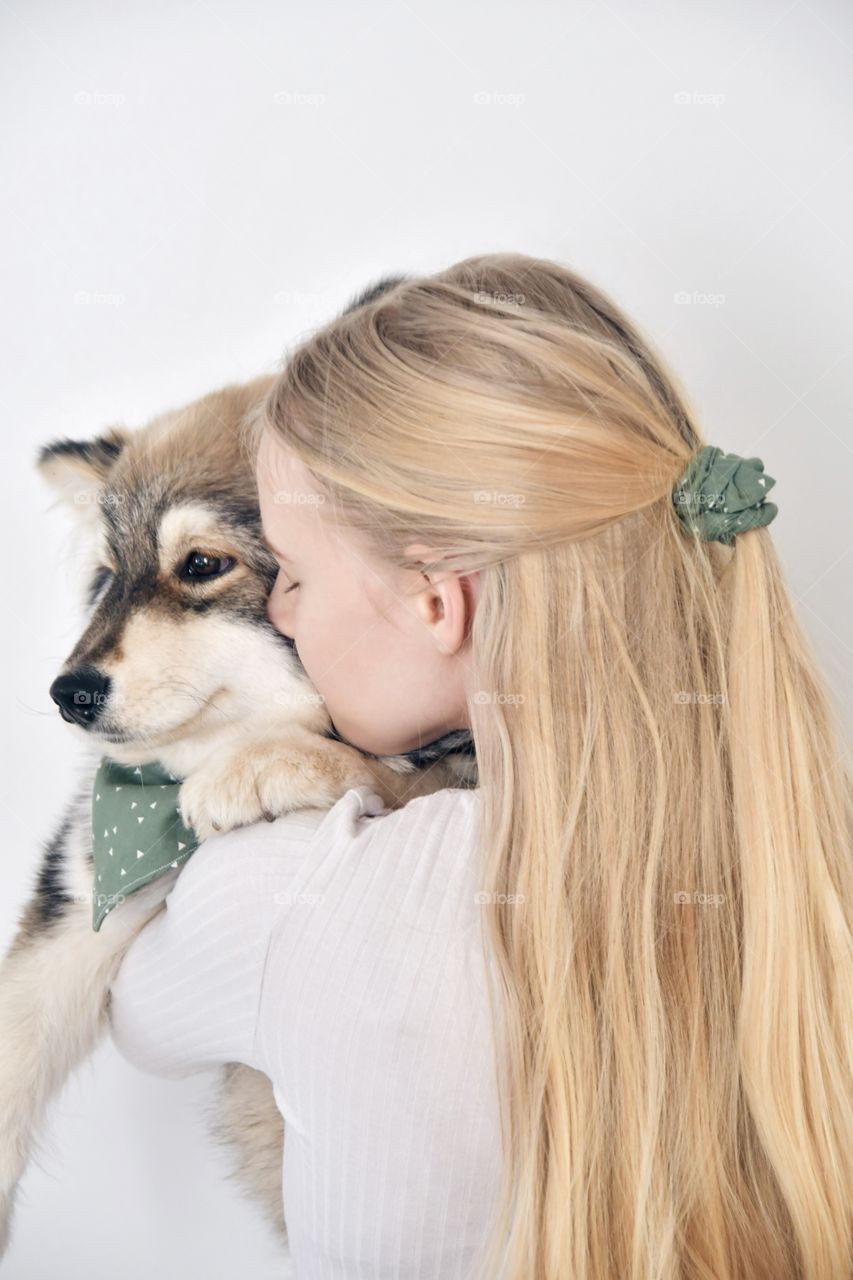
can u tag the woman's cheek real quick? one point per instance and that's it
(322, 646)
(279, 609)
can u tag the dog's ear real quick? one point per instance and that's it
(78, 469)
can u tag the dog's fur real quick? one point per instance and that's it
(189, 672)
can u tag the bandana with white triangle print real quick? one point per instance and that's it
(137, 832)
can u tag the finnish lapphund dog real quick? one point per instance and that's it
(178, 664)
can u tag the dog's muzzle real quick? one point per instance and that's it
(81, 695)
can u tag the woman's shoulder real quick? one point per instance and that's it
(447, 800)
(432, 816)
(360, 812)
(359, 822)
(412, 853)
(357, 847)
(358, 819)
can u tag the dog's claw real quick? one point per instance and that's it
(215, 825)
(270, 817)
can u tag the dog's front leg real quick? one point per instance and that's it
(54, 984)
(295, 769)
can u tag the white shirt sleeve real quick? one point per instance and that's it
(340, 954)
(187, 994)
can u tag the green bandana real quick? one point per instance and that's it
(723, 494)
(137, 833)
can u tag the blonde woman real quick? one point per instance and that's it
(593, 1020)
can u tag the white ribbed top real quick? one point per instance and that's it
(339, 953)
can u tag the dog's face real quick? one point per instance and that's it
(177, 649)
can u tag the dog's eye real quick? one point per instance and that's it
(200, 565)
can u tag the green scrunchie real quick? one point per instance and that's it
(722, 494)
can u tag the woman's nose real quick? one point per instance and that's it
(277, 614)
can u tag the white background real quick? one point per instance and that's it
(189, 187)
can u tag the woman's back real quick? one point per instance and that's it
(340, 954)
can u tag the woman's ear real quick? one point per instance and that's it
(446, 605)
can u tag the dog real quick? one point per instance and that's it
(178, 664)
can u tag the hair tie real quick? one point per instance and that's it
(722, 494)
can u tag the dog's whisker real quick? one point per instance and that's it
(205, 701)
(36, 711)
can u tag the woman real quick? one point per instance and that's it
(659, 849)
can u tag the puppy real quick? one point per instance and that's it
(179, 665)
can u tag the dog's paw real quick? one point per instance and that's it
(268, 778)
(210, 802)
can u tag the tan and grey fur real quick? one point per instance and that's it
(190, 673)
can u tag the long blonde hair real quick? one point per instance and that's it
(666, 813)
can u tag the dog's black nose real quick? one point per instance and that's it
(80, 695)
